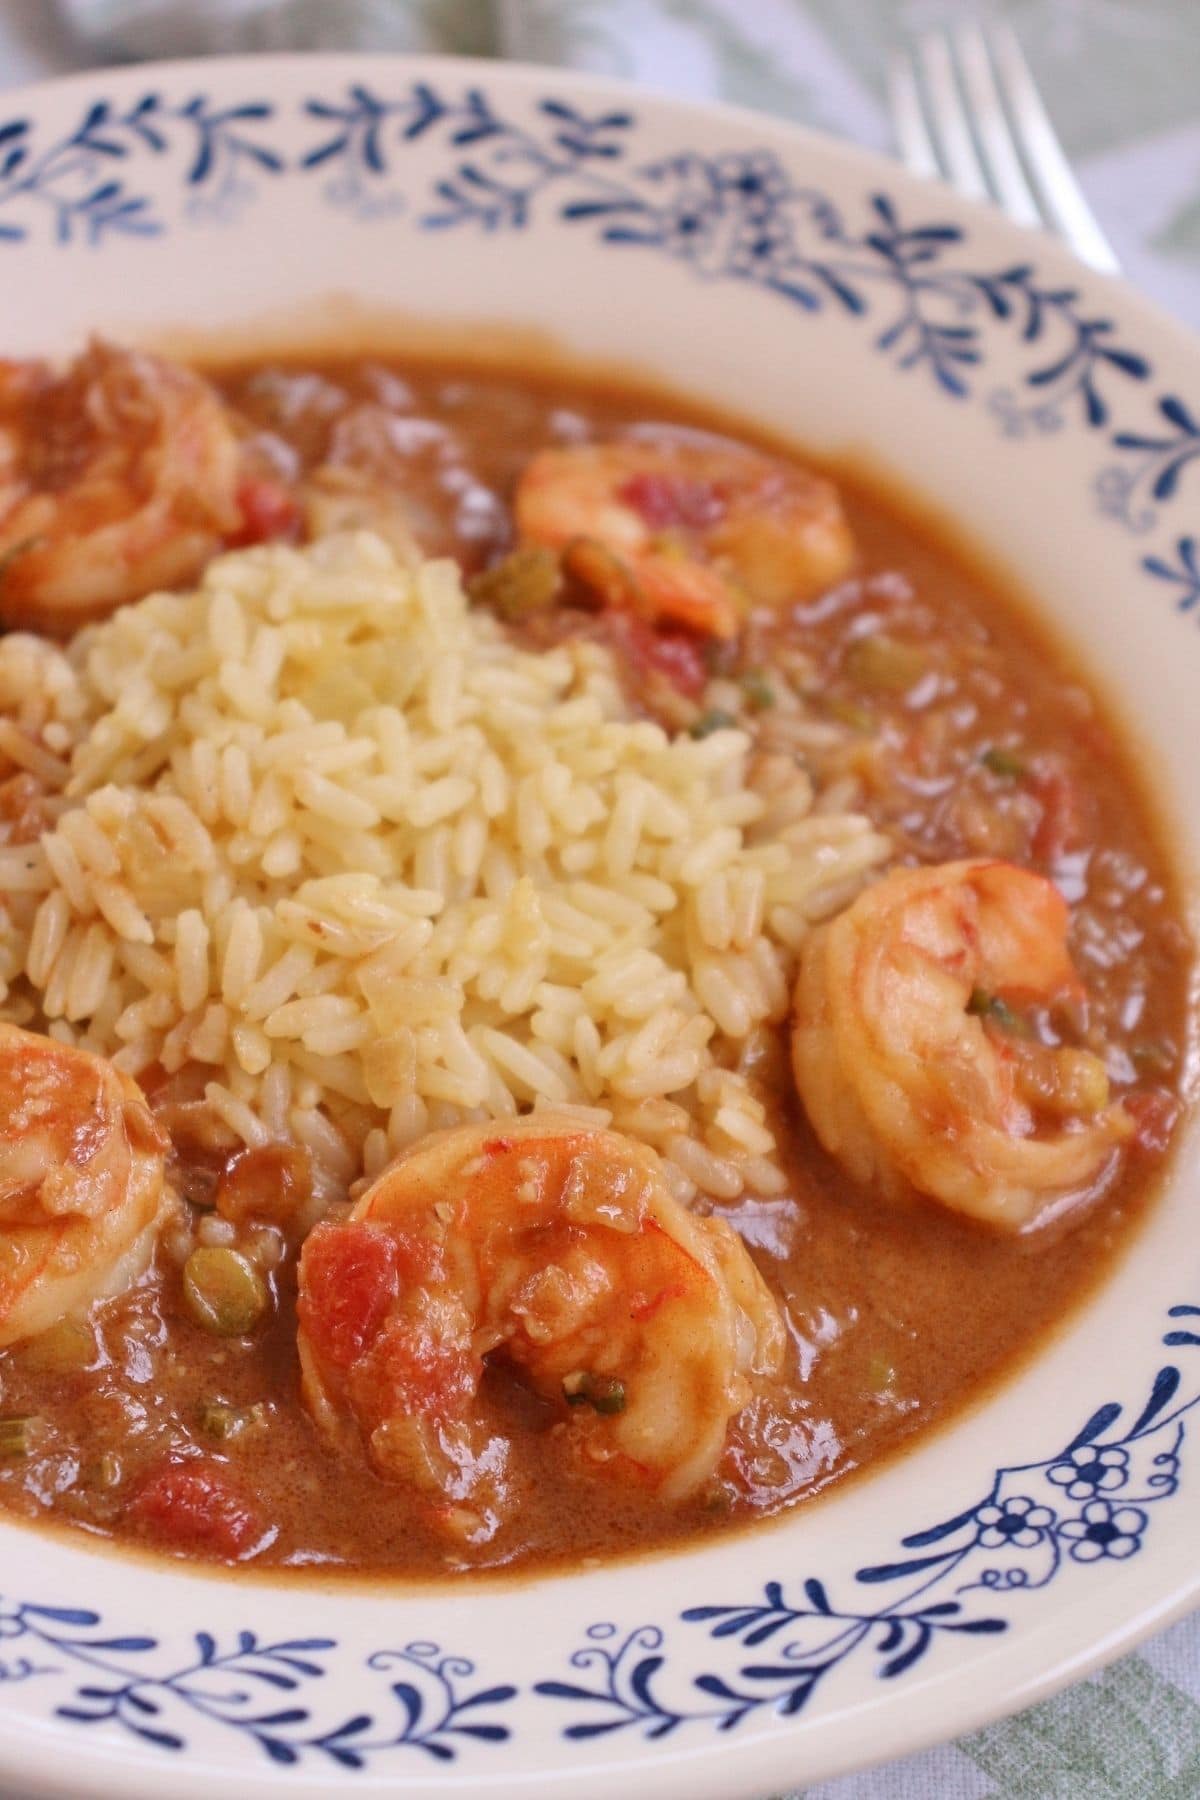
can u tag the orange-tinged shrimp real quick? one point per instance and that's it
(685, 533)
(560, 1249)
(81, 1181)
(898, 1060)
(120, 476)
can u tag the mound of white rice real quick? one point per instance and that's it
(327, 833)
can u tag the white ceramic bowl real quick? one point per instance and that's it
(1057, 419)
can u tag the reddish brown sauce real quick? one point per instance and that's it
(974, 736)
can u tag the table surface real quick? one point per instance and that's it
(1122, 82)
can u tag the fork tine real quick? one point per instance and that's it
(950, 123)
(995, 134)
(908, 117)
(1062, 197)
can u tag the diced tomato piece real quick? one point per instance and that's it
(680, 659)
(1154, 1112)
(268, 510)
(410, 1369)
(674, 655)
(667, 501)
(348, 1279)
(1060, 827)
(418, 1259)
(195, 1506)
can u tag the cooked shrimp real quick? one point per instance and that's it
(81, 1181)
(901, 1060)
(684, 533)
(561, 1250)
(118, 477)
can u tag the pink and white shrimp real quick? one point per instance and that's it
(122, 475)
(686, 534)
(561, 1251)
(81, 1182)
(906, 1057)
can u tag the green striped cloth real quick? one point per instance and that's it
(1122, 80)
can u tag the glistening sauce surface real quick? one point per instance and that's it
(969, 735)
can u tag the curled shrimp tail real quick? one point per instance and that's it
(901, 1073)
(82, 1191)
(560, 1251)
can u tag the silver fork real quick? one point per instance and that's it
(965, 107)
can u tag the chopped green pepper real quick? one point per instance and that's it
(718, 1500)
(758, 690)
(880, 1374)
(1002, 761)
(848, 712)
(983, 1005)
(223, 1291)
(713, 720)
(602, 1392)
(219, 1420)
(526, 581)
(16, 1437)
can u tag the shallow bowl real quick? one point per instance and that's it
(1055, 419)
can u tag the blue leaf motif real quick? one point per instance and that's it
(915, 1651)
(563, 1690)
(278, 1751)
(409, 1698)
(1166, 1386)
(495, 1696)
(1184, 574)
(63, 1615)
(1097, 1425)
(934, 1534)
(592, 1728)
(892, 1570)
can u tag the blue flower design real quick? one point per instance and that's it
(1103, 1529)
(689, 223)
(1015, 1522)
(1090, 1470)
(754, 179)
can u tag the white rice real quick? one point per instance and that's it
(325, 831)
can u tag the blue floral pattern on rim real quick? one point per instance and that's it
(1090, 1502)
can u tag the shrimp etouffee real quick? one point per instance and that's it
(574, 1063)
